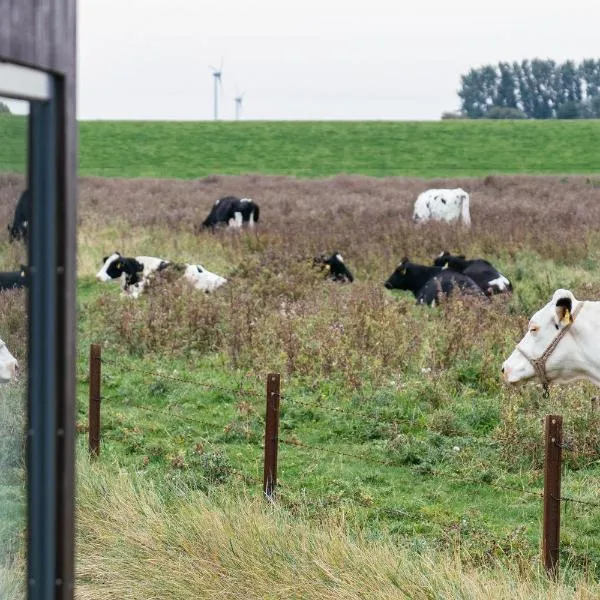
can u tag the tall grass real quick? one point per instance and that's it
(135, 543)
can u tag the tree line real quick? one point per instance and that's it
(535, 89)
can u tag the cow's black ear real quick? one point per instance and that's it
(104, 259)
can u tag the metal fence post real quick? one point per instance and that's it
(94, 405)
(271, 435)
(552, 463)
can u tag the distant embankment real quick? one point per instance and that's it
(324, 148)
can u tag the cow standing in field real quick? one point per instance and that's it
(482, 272)
(233, 212)
(442, 205)
(431, 285)
(136, 272)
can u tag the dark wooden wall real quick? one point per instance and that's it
(39, 33)
(42, 34)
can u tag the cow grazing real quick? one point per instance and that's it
(232, 211)
(561, 344)
(430, 285)
(8, 364)
(136, 272)
(482, 272)
(336, 268)
(19, 230)
(442, 205)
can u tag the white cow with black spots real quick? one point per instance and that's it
(442, 205)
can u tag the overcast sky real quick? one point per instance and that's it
(310, 59)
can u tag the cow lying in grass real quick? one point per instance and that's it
(482, 272)
(136, 272)
(8, 364)
(10, 280)
(336, 267)
(431, 285)
(561, 344)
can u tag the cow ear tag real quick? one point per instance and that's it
(566, 320)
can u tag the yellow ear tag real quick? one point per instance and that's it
(118, 265)
(567, 317)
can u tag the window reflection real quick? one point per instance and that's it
(13, 344)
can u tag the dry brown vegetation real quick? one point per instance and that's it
(277, 313)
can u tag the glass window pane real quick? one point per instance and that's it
(13, 333)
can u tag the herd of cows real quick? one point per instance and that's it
(546, 352)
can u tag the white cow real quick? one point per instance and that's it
(562, 343)
(136, 272)
(442, 205)
(8, 364)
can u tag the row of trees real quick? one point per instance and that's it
(536, 89)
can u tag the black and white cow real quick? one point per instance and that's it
(442, 205)
(19, 230)
(430, 285)
(232, 211)
(10, 280)
(136, 272)
(482, 272)
(336, 267)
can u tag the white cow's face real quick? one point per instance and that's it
(8, 364)
(543, 328)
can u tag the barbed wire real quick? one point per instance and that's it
(378, 419)
(577, 501)
(234, 391)
(366, 415)
(389, 463)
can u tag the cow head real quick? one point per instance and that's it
(115, 265)
(561, 363)
(401, 278)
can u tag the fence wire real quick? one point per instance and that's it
(433, 473)
(370, 416)
(238, 391)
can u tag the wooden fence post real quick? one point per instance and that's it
(94, 404)
(271, 435)
(551, 535)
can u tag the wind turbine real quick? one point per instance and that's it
(218, 83)
(238, 106)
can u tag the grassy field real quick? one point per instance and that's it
(398, 437)
(404, 461)
(323, 149)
